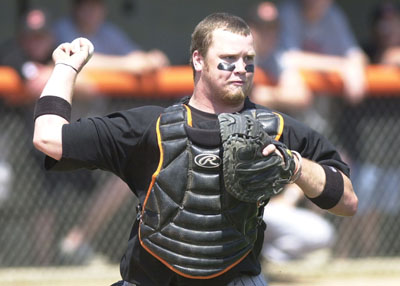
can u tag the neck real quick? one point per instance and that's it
(314, 14)
(208, 105)
(87, 30)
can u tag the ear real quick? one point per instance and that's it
(198, 61)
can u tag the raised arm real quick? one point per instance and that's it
(53, 109)
(350, 67)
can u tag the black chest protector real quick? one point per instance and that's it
(189, 222)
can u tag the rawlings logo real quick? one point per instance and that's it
(207, 160)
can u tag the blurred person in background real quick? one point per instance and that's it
(316, 35)
(383, 46)
(29, 52)
(78, 245)
(292, 231)
(296, 229)
(307, 35)
(374, 128)
(115, 51)
(263, 19)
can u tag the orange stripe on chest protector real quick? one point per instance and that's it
(280, 127)
(159, 143)
(155, 174)
(189, 115)
(153, 179)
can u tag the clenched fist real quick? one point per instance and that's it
(75, 54)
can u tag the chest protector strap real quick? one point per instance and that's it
(188, 221)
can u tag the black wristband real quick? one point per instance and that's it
(50, 104)
(333, 190)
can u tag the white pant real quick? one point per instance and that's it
(293, 232)
(243, 280)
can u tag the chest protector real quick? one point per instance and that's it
(188, 221)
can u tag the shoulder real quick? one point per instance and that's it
(65, 30)
(293, 125)
(286, 123)
(152, 109)
(289, 8)
(65, 23)
(335, 13)
(127, 123)
(138, 116)
(112, 30)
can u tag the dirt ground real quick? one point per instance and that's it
(340, 272)
(365, 272)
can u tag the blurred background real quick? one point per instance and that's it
(331, 64)
(167, 24)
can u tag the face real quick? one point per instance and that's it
(387, 30)
(316, 9)
(265, 39)
(38, 45)
(90, 15)
(229, 87)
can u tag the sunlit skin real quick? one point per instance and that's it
(218, 90)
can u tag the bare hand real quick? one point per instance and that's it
(269, 149)
(354, 85)
(354, 78)
(158, 59)
(76, 54)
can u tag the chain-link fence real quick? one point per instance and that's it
(369, 136)
(51, 218)
(58, 218)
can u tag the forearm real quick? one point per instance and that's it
(53, 109)
(47, 136)
(324, 62)
(281, 96)
(135, 62)
(353, 75)
(313, 61)
(61, 82)
(312, 181)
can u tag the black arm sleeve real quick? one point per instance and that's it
(106, 143)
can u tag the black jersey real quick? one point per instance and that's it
(125, 143)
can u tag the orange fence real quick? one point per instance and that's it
(177, 80)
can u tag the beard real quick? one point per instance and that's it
(229, 96)
(233, 98)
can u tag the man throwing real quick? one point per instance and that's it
(203, 169)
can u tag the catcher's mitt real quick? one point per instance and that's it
(249, 175)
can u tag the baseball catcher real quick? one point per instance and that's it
(199, 221)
